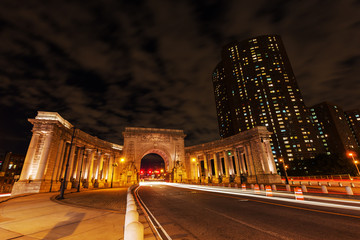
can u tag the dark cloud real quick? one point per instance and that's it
(111, 64)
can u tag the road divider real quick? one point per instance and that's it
(134, 230)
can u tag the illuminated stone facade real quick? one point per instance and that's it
(49, 150)
(167, 143)
(95, 163)
(244, 157)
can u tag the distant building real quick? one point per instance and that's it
(334, 131)
(353, 118)
(10, 169)
(254, 85)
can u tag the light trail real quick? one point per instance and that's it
(5, 195)
(240, 192)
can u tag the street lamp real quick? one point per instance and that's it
(355, 162)
(112, 175)
(63, 184)
(196, 169)
(285, 167)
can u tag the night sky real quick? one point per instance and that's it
(105, 65)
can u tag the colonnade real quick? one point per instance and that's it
(54, 143)
(57, 147)
(243, 157)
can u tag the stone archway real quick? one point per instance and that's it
(167, 143)
(165, 156)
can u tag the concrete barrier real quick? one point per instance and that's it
(262, 187)
(324, 189)
(303, 188)
(349, 191)
(288, 188)
(131, 207)
(131, 216)
(273, 187)
(130, 202)
(134, 231)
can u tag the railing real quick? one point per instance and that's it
(325, 177)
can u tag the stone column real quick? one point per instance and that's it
(206, 166)
(29, 156)
(249, 160)
(71, 163)
(237, 162)
(100, 159)
(44, 156)
(216, 165)
(63, 160)
(263, 157)
(226, 161)
(269, 156)
(90, 165)
(57, 163)
(90, 168)
(110, 168)
(81, 158)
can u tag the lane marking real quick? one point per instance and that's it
(250, 225)
(288, 206)
(223, 191)
(147, 212)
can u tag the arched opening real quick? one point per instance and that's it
(152, 168)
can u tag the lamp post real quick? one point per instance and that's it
(355, 162)
(285, 167)
(63, 184)
(82, 160)
(122, 160)
(195, 171)
(112, 175)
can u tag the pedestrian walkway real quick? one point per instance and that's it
(97, 214)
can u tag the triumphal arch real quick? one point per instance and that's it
(58, 152)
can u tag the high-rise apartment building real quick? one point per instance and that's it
(254, 85)
(333, 129)
(353, 118)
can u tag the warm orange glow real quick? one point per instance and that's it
(351, 154)
(286, 166)
(162, 170)
(122, 160)
(356, 161)
(281, 160)
(193, 159)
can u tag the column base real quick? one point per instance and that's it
(36, 186)
(264, 178)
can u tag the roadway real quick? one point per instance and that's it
(195, 214)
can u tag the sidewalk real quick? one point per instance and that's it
(97, 214)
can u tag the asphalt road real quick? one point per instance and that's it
(194, 214)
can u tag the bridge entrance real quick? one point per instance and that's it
(153, 168)
(143, 144)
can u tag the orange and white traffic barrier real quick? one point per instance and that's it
(243, 187)
(256, 189)
(299, 194)
(268, 191)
